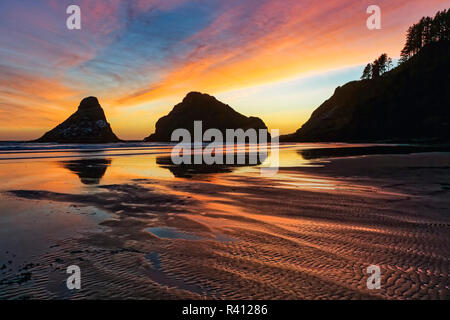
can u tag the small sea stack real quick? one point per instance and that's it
(87, 125)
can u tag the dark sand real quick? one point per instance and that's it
(310, 232)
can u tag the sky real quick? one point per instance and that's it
(275, 59)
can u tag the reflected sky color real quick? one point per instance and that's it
(271, 58)
(103, 206)
(74, 169)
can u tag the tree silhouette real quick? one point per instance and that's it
(382, 63)
(377, 68)
(427, 36)
(426, 31)
(367, 73)
(419, 35)
(407, 49)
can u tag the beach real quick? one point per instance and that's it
(141, 228)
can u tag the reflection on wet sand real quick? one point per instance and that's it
(191, 170)
(90, 171)
(239, 235)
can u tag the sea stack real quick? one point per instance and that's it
(198, 106)
(87, 125)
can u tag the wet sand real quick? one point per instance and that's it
(139, 230)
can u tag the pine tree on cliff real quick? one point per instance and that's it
(426, 31)
(383, 63)
(367, 73)
(407, 48)
(375, 69)
(380, 66)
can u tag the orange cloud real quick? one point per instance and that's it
(30, 101)
(280, 41)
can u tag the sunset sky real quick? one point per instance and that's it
(276, 59)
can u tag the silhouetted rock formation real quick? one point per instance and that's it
(90, 171)
(410, 103)
(202, 107)
(87, 125)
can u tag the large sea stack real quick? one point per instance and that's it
(87, 125)
(202, 107)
